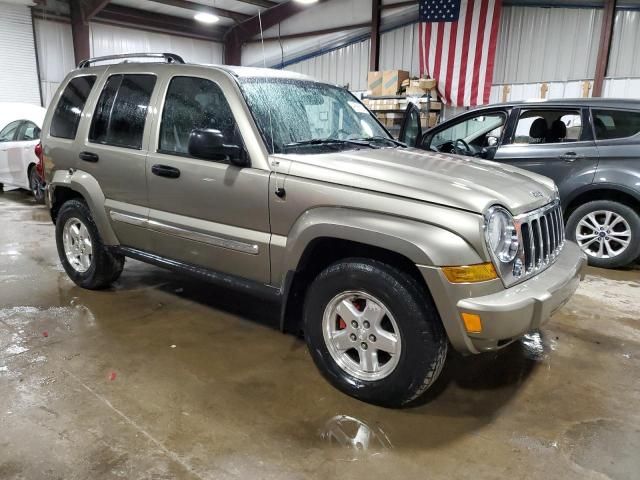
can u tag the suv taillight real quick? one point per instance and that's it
(40, 164)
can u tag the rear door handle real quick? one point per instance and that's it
(89, 157)
(570, 157)
(165, 171)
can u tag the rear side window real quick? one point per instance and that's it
(69, 109)
(610, 124)
(28, 132)
(121, 111)
(548, 126)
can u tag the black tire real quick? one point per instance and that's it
(631, 252)
(106, 265)
(35, 185)
(423, 339)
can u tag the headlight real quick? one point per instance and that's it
(501, 234)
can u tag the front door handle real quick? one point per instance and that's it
(570, 157)
(89, 157)
(165, 171)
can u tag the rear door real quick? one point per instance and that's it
(553, 141)
(114, 151)
(617, 133)
(9, 155)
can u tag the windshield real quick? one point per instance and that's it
(306, 117)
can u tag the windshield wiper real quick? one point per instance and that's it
(378, 138)
(330, 141)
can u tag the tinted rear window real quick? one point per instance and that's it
(121, 111)
(69, 109)
(610, 124)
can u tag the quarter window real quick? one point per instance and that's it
(69, 109)
(121, 111)
(615, 124)
(548, 126)
(8, 133)
(194, 103)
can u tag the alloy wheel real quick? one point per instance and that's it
(77, 245)
(603, 234)
(361, 335)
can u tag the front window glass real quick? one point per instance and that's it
(194, 103)
(548, 126)
(610, 124)
(477, 132)
(294, 112)
(8, 133)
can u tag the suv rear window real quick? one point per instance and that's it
(121, 111)
(615, 124)
(69, 109)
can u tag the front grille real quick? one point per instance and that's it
(542, 234)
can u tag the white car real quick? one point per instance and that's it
(20, 125)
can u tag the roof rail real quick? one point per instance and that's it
(168, 58)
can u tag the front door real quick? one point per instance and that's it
(28, 137)
(411, 129)
(207, 213)
(9, 153)
(555, 142)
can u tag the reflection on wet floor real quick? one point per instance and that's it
(166, 377)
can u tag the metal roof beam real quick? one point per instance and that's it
(260, 3)
(199, 7)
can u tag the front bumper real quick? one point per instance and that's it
(509, 313)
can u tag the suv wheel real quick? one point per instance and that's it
(36, 185)
(608, 232)
(84, 257)
(374, 332)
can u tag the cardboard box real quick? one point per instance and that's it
(374, 83)
(428, 121)
(415, 91)
(392, 81)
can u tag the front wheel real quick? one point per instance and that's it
(36, 185)
(83, 255)
(607, 231)
(374, 332)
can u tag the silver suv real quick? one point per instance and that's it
(281, 186)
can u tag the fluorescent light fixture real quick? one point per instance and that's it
(306, 2)
(206, 17)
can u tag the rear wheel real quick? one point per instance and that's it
(374, 332)
(36, 185)
(608, 232)
(83, 255)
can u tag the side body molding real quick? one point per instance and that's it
(87, 186)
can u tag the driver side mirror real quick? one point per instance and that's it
(208, 144)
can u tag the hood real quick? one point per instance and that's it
(461, 182)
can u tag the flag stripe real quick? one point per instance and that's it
(458, 41)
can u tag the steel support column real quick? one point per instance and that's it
(605, 46)
(374, 60)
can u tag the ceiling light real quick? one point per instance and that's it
(206, 17)
(306, 2)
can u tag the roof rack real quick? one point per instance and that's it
(168, 58)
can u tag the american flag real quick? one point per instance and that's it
(457, 47)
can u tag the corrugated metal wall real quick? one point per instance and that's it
(625, 52)
(399, 49)
(547, 44)
(55, 55)
(345, 66)
(19, 74)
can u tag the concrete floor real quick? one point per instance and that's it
(163, 377)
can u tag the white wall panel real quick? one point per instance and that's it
(344, 66)
(547, 44)
(19, 73)
(399, 49)
(624, 60)
(109, 40)
(55, 55)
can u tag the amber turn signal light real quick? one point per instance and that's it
(470, 273)
(472, 322)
